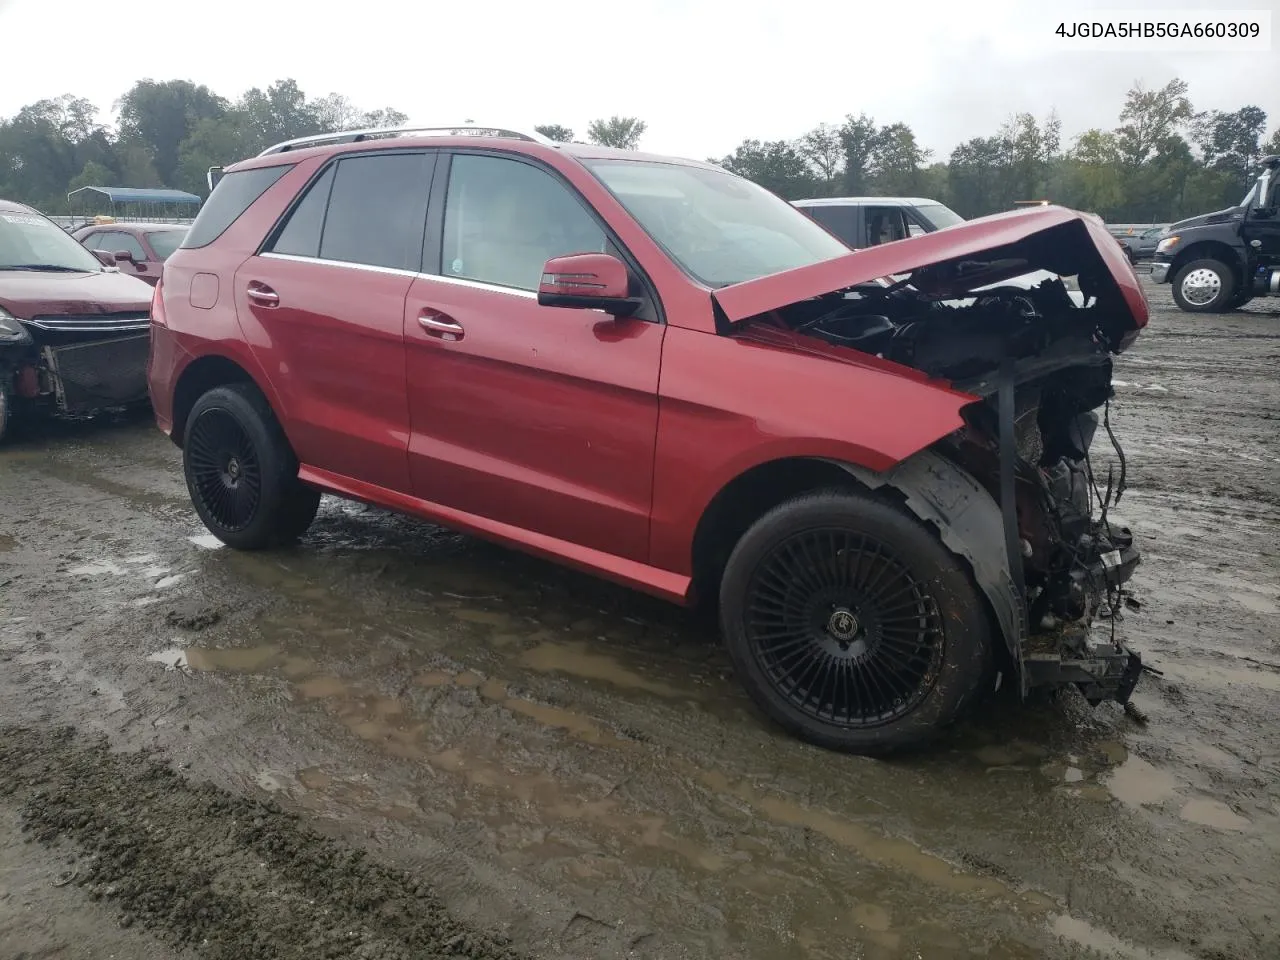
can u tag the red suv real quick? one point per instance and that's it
(875, 463)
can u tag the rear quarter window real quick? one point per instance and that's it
(234, 194)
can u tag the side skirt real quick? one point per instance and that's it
(672, 587)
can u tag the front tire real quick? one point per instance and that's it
(1204, 286)
(1239, 300)
(241, 472)
(851, 625)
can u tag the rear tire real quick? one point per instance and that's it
(851, 625)
(1204, 286)
(241, 472)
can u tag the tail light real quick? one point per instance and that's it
(157, 305)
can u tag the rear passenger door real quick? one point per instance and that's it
(323, 307)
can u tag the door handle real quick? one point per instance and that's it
(440, 325)
(263, 295)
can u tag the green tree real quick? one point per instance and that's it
(554, 131)
(137, 169)
(1150, 117)
(159, 115)
(859, 138)
(624, 133)
(1230, 141)
(777, 165)
(977, 177)
(385, 117)
(281, 112)
(897, 160)
(824, 150)
(93, 175)
(1272, 147)
(215, 143)
(1093, 176)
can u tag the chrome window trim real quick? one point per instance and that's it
(397, 272)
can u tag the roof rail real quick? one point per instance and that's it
(378, 133)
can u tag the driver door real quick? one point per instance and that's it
(540, 418)
(1265, 229)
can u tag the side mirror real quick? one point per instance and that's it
(212, 177)
(123, 256)
(587, 281)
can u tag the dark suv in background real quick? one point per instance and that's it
(870, 221)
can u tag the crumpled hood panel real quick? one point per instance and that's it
(1010, 244)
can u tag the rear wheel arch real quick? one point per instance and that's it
(200, 376)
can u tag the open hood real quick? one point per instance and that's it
(951, 263)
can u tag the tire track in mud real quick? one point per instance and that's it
(230, 877)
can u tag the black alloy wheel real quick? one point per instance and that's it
(225, 470)
(851, 625)
(241, 471)
(843, 629)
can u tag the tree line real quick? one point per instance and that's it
(168, 134)
(1162, 161)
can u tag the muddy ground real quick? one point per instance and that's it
(397, 742)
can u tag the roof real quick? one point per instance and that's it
(13, 207)
(130, 226)
(140, 195)
(580, 151)
(857, 201)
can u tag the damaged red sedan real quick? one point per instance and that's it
(877, 463)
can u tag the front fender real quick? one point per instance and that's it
(968, 522)
(728, 405)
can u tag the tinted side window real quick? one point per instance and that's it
(125, 241)
(300, 235)
(234, 194)
(504, 219)
(378, 210)
(842, 221)
(884, 225)
(93, 241)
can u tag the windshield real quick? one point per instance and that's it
(939, 215)
(165, 242)
(720, 228)
(29, 240)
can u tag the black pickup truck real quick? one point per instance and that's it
(1220, 261)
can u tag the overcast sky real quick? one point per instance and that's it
(704, 74)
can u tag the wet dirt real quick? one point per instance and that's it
(550, 766)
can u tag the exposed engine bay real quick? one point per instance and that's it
(962, 341)
(1040, 357)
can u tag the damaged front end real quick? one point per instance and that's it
(76, 365)
(1024, 313)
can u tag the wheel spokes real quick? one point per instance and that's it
(843, 629)
(225, 471)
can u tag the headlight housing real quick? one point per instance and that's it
(11, 329)
(1167, 244)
